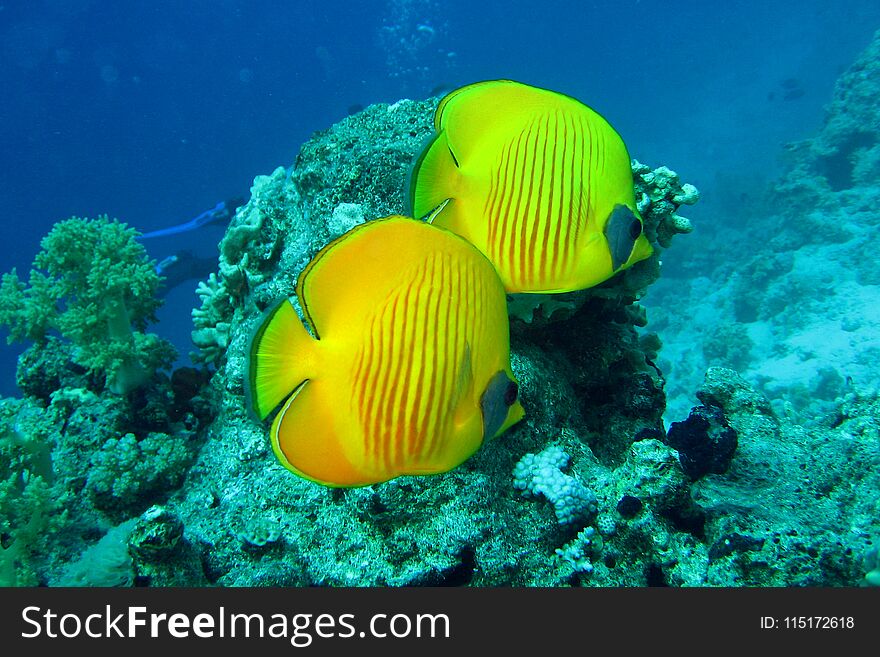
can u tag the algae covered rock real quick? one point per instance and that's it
(704, 441)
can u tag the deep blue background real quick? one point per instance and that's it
(152, 112)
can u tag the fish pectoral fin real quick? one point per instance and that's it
(514, 415)
(464, 382)
(500, 405)
(622, 229)
(306, 440)
(433, 213)
(434, 177)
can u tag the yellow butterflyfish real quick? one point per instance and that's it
(537, 181)
(408, 372)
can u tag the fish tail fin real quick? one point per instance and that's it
(433, 176)
(281, 359)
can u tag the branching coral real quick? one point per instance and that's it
(541, 475)
(211, 333)
(92, 283)
(660, 193)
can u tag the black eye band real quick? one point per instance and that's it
(635, 229)
(496, 401)
(622, 230)
(511, 393)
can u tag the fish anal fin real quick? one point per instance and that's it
(306, 441)
(514, 415)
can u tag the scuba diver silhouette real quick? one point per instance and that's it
(223, 211)
(186, 265)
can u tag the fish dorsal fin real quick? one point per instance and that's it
(482, 117)
(369, 253)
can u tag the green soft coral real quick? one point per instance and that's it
(93, 283)
(29, 509)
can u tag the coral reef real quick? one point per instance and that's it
(844, 154)
(744, 492)
(796, 507)
(29, 512)
(101, 433)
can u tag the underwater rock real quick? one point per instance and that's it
(795, 499)
(345, 217)
(851, 129)
(705, 442)
(43, 369)
(160, 554)
(106, 563)
(586, 380)
(629, 506)
(747, 410)
(731, 543)
(872, 566)
(844, 154)
(729, 345)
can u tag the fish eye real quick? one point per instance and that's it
(511, 393)
(635, 229)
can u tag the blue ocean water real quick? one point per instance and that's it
(154, 112)
(163, 114)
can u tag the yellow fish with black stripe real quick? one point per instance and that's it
(408, 372)
(537, 181)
